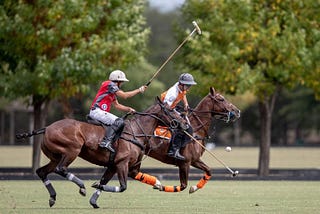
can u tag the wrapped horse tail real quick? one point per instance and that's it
(30, 134)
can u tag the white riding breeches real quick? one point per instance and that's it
(103, 116)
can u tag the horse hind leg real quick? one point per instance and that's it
(43, 172)
(62, 170)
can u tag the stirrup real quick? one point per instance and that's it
(107, 145)
(176, 155)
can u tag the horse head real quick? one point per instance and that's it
(222, 108)
(219, 107)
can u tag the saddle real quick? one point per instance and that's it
(94, 121)
(162, 132)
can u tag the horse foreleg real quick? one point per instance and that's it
(62, 170)
(146, 179)
(101, 186)
(43, 173)
(183, 174)
(122, 171)
(200, 165)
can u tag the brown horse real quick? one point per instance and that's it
(66, 139)
(212, 106)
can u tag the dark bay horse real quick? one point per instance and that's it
(212, 106)
(66, 139)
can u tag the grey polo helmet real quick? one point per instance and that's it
(187, 79)
(118, 75)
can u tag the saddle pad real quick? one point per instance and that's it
(162, 131)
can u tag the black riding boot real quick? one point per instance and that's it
(175, 146)
(107, 141)
(112, 133)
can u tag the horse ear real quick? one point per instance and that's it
(212, 91)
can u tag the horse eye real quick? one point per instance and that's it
(221, 98)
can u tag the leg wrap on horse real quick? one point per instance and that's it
(203, 181)
(172, 188)
(50, 188)
(107, 188)
(75, 179)
(147, 179)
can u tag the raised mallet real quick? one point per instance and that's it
(196, 29)
(234, 173)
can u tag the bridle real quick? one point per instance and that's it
(225, 116)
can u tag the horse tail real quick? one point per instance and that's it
(29, 134)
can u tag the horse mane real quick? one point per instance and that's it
(201, 103)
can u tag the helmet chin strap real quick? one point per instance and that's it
(184, 87)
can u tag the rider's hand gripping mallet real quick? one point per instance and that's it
(234, 173)
(196, 28)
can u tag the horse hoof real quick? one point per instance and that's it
(94, 205)
(193, 189)
(158, 187)
(51, 202)
(96, 185)
(83, 191)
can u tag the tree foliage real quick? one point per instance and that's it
(55, 48)
(254, 44)
(258, 46)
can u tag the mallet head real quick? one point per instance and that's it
(235, 173)
(197, 27)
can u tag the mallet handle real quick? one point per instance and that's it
(173, 53)
(220, 161)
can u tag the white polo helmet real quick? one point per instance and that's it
(118, 75)
(187, 79)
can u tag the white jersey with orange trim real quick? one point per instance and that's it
(173, 96)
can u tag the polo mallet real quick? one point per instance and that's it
(196, 28)
(234, 173)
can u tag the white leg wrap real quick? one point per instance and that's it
(70, 176)
(46, 182)
(111, 188)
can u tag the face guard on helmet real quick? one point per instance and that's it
(118, 76)
(187, 79)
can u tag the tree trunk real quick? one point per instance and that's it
(39, 122)
(266, 109)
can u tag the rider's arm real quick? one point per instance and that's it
(185, 102)
(121, 107)
(128, 94)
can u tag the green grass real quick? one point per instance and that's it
(216, 197)
(239, 157)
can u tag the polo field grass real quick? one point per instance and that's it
(239, 157)
(217, 197)
(228, 196)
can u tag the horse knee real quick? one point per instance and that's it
(61, 171)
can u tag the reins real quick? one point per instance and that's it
(147, 137)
